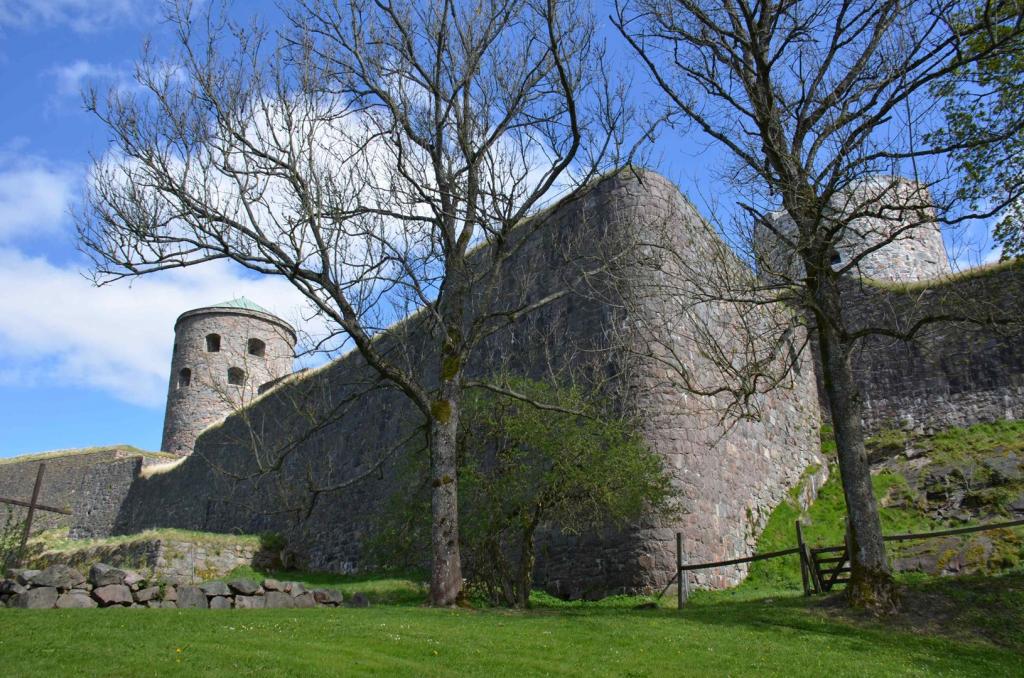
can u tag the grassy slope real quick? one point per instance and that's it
(824, 521)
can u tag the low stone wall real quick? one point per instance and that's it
(92, 484)
(60, 586)
(170, 560)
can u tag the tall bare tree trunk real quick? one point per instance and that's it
(446, 574)
(871, 582)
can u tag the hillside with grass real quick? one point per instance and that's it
(923, 483)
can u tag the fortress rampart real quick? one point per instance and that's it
(730, 479)
(316, 456)
(950, 373)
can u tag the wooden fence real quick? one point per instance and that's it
(820, 570)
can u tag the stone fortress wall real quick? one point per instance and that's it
(346, 421)
(222, 356)
(321, 429)
(951, 373)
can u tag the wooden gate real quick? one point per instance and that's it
(825, 567)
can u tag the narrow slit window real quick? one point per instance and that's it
(184, 377)
(212, 343)
(257, 347)
(236, 376)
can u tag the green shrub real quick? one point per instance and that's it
(524, 469)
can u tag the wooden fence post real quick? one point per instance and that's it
(804, 565)
(683, 583)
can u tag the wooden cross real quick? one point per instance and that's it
(32, 505)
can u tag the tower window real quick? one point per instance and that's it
(257, 347)
(236, 376)
(212, 343)
(184, 377)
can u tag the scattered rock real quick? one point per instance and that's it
(147, 594)
(249, 602)
(328, 597)
(359, 600)
(278, 599)
(24, 577)
(304, 600)
(10, 587)
(72, 600)
(245, 587)
(41, 598)
(59, 577)
(133, 579)
(105, 575)
(215, 588)
(220, 603)
(1006, 469)
(113, 594)
(191, 597)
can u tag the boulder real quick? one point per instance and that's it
(220, 603)
(215, 588)
(245, 587)
(59, 577)
(328, 597)
(42, 598)
(359, 600)
(278, 599)
(169, 605)
(191, 597)
(147, 594)
(24, 577)
(249, 602)
(102, 574)
(170, 594)
(10, 587)
(113, 594)
(1005, 469)
(75, 600)
(295, 588)
(272, 585)
(304, 600)
(133, 579)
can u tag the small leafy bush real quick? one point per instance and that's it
(524, 469)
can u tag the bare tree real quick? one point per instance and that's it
(821, 106)
(363, 153)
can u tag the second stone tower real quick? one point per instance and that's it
(223, 355)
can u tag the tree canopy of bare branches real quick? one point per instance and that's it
(827, 111)
(363, 152)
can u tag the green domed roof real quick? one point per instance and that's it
(243, 303)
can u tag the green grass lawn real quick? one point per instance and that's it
(731, 633)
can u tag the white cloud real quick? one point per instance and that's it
(57, 328)
(34, 196)
(74, 77)
(82, 16)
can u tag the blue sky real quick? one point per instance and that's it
(81, 365)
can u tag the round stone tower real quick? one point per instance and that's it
(223, 355)
(897, 212)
